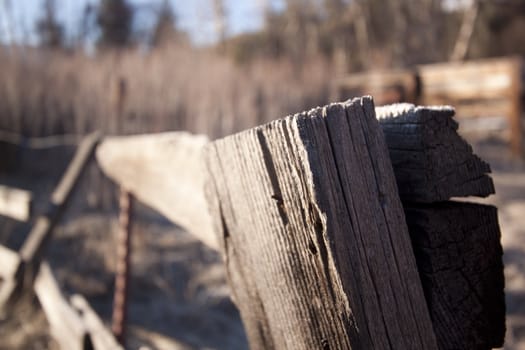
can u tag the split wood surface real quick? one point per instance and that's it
(313, 234)
(73, 324)
(457, 244)
(459, 256)
(431, 161)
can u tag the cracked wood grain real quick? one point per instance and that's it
(313, 235)
(431, 161)
(459, 257)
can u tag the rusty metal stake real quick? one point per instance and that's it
(120, 300)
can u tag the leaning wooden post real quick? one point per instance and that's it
(313, 234)
(123, 267)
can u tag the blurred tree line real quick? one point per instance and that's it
(353, 34)
(112, 22)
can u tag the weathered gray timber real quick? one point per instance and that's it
(459, 257)
(74, 324)
(15, 203)
(66, 325)
(313, 234)
(10, 275)
(164, 171)
(431, 161)
(457, 245)
(101, 337)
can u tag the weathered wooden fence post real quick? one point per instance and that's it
(313, 235)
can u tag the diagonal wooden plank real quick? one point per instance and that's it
(41, 232)
(66, 325)
(100, 335)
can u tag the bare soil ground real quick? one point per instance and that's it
(179, 297)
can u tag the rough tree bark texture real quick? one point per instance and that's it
(431, 161)
(313, 234)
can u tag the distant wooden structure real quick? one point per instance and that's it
(488, 91)
(431, 161)
(386, 87)
(73, 323)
